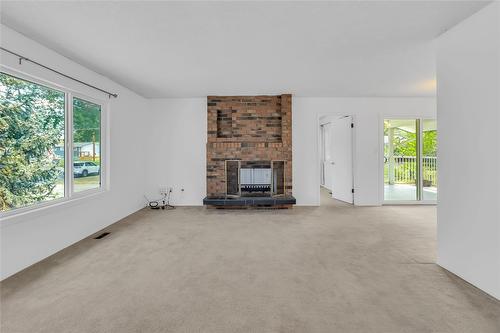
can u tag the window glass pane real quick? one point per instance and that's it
(400, 159)
(429, 159)
(86, 145)
(31, 143)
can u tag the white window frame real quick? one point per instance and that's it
(69, 195)
(102, 145)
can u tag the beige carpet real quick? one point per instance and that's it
(335, 268)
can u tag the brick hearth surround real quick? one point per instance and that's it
(247, 128)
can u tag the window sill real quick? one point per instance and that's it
(25, 215)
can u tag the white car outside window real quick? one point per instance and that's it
(84, 169)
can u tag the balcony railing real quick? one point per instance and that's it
(404, 170)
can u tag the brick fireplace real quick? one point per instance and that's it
(249, 151)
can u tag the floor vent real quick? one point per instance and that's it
(104, 234)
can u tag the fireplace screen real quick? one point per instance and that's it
(255, 178)
(278, 168)
(233, 178)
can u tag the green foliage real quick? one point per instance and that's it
(405, 143)
(31, 125)
(430, 143)
(86, 121)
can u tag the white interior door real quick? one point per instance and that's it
(327, 156)
(322, 154)
(341, 159)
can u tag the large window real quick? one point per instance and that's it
(34, 141)
(410, 160)
(86, 145)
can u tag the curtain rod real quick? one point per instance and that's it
(21, 58)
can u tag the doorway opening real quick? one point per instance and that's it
(336, 160)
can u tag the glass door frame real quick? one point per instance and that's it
(419, 157)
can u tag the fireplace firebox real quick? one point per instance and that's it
(254, 178)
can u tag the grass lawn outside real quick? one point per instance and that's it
(80, 184)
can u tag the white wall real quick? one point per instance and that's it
(29, 238)
(468, 69)
(368, 114)
(180, 125)
(177, 149)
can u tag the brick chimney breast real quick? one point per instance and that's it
(249, 129)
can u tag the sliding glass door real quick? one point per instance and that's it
(429, 159)
(410, 156)
(400, 157)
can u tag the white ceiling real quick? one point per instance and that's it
(187, 49)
